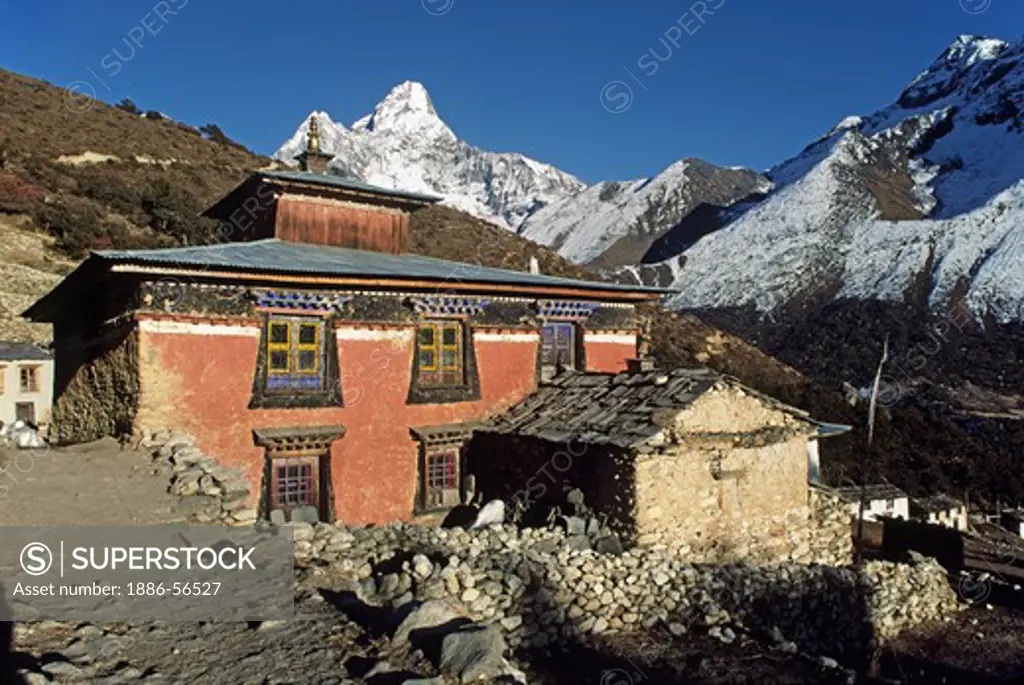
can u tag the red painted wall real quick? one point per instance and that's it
(202, 383)
(609, 356)
(361, 227)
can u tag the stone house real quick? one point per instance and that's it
(685, 457)
(309, 350)
(26, 383)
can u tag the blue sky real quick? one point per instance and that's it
(748, 82)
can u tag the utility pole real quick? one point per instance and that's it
(859, 551)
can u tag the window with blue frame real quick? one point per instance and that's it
(295, 354)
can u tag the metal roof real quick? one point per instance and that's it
(827, 430)
(18, 351)
(273, 255)
(345, 183)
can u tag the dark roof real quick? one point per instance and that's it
(18, 351)
(625, 409)
(276, 257)
(335, 181)
(935, 503)
(1014, 515)
(871, 492)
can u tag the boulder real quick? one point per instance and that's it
(430, 614)
(609, 544)
(490, 514)
(473, 653)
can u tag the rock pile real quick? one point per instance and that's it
(543, 594)
(21, 435)
(210, 492)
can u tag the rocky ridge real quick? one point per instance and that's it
(928, 190)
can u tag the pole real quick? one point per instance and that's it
(859, 551)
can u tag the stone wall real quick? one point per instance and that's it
(210, 492)
(100, 390)
(733, 503)
(543, 594)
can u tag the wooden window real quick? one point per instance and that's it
(440, 352)
(295, 483)
(295, 351)
(558, 345)
(440, 478)
(25, 412)
(29, 378)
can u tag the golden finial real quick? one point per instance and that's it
(314, 136)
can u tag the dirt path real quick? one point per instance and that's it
(94, 484)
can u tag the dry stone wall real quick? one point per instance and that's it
(543, 594)
(210, 492)
(101, 396)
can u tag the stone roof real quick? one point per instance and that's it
(18, 351)
(935, 503)
(879, 491)
(625, 409)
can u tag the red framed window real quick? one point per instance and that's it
(295, 483)
(441, 478)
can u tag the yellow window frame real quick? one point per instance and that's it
(432, 347)
(285, 347)
(313, 347)
(455, 347)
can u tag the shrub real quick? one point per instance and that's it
(75, 222)
(174, 212)
(128, 106)
(18, 197)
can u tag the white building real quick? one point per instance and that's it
(26, 383)
(940, 510)
(881, 501)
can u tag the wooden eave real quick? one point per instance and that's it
(370, 283)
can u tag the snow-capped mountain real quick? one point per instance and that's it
(404, 144)
(929, 190)
(614, 223)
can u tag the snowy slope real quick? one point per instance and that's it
(585, 226)
(930, 187)
(404, 144)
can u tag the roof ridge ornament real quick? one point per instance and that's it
(313, 158)
(313, 140)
